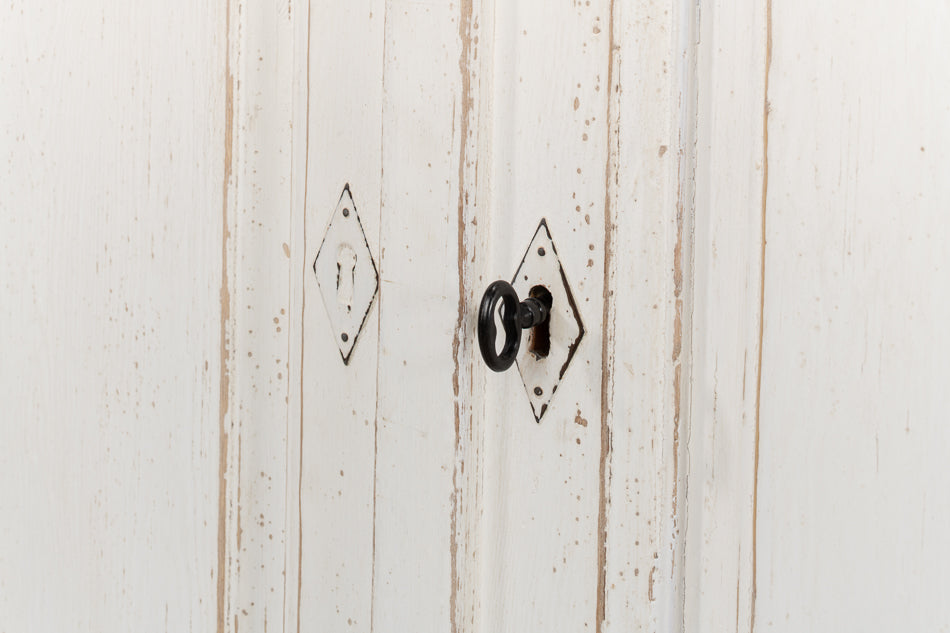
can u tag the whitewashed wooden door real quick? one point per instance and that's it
(183, 447)
(429, 498)
(747, 202)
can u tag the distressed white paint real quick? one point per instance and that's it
(548, 160)
(416, 422)
(337, 142)
(185, 450)
(430, 499)
(839, 522)
(650, 280)
(145, 205)
(112, 126)
(856, 352)
(730, 171)
(260, 314)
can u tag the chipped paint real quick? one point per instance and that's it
(225, 298)
(611, 178)
(465, 72)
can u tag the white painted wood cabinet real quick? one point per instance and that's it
(204, 426)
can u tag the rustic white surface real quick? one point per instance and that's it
(542, 500)
(749, 437)
(339, 54)
(652, 150)
(816, 503)
(260, 72)
(430, 499)
(730, 174)
(421, 263)
(112, 137)
(146, 211)
(852, 504)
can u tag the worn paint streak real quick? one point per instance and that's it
(224, 384)
(758, 384)
(303, 308)
(678, 266)
(606, 385)
(379, 321)
(650, 595)
(465, 37)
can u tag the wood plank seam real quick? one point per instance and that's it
(758, 384)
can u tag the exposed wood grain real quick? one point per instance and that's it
(495, 116)
(476, 30)
(651, 187)
(719, 562)
(260, 313)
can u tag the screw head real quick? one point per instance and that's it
(344, 337)
(538, 391)
(346, 213)
(541, 251)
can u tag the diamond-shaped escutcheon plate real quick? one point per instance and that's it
(346, 274)
(546, 353)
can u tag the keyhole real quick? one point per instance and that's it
(345, 275)
(539, 341)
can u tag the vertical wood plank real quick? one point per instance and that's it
(261, 69)
(421, 270)
(541, 544)
(112, 138)
(852, 514)
(340, 131)
(723, 415)
(648, 312)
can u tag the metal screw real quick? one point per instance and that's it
(538, 391)
(541, 251)
(344, 337)
(346, 214)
